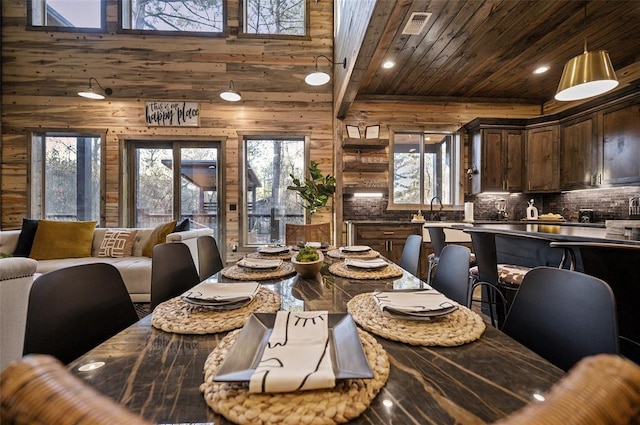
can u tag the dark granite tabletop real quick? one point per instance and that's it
(157, 374)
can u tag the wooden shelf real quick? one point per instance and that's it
(365, 166)
(354, 145)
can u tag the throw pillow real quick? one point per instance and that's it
(117, 243)
(25, 240)
(62, 239)
(183, 226)
(159, 235)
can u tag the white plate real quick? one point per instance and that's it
(355, 248)
(218, 305)
(424, 315)
(259, 263)
(274, 249)
(373, 264)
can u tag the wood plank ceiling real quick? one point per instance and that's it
(488, 49)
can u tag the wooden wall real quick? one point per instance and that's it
(43, 70)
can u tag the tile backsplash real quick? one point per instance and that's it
(607, 204)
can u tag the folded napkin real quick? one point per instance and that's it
(412, 302)
(230, 292)
(297, 356)
(316, 245)
(259, 263)
(355, 248)
(374, 263)
(274, 249)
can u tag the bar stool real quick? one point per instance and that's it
(438, 242)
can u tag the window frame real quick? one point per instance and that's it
(457, 194)
(102, 29)
(244, 244)
(222, 34)
(242, 24)
(32, 133)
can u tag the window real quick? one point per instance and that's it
(65, 176)
(199, 16)
(268, 204)
(424, 167)
(85, 14)
(275, 17)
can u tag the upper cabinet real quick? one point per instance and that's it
(496, 155)
(542, 153)
(621, 145)
(579, 153)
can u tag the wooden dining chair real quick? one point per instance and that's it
(319, 232)
(563, 316)
(172, 272)
(452, 275)
(410, 258)
(39, 389)
(74, 309)
(209, 260)
(601, 389)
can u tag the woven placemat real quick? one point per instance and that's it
(336, 253)
(457, 328)
(347, 400)
(282, 256)
(341, 269)
(241, 273)
(177, 316)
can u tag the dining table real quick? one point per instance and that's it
(159, 374)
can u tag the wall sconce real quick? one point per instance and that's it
(92, 94)
(231, 95)
(318, 78)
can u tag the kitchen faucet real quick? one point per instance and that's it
(435, 216)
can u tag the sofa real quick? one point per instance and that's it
(134, 268)
(16, 278)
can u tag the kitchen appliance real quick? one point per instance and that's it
(634, 207)
(585, 215)
(501, 206)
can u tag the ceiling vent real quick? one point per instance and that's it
(416, 23)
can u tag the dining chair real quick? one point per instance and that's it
(410, 258)
(437, 238)
(39, 389)
(172, 272)
(74, 309)
(209, 260)
(601, 389)
(563, 316)
(616, 264)
(452, 275)
(317, 232)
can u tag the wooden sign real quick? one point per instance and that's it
(172, 114)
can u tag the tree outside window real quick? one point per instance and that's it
(79, 15)
(173, 15)
(276, 17)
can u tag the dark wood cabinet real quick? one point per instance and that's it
(496, 156)
(579, 154)
(621, 145)
(542, 159)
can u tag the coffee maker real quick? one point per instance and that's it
(501, 206)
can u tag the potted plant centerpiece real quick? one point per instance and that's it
(308, 262)
(315, 190)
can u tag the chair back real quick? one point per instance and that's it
(437, 237)
(563, 316)
(484, 247)
(452, 275)
(410, 258)
(602, 389)
(172, 272)
(319, 232)
(38, 389)
(209, 260)
(74, 309)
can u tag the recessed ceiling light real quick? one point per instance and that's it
(388, 64)
(541, 70)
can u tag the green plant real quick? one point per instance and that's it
(5, 255)
(307, 255)
(315, 190)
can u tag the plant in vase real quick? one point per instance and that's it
(307, 262)
(315, 190)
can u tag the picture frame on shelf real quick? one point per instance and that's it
(372, 132)
(353, 132)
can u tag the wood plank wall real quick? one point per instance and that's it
(43, 70)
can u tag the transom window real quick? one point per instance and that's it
(275, 17)
(199, 16)
(267, 203)
(425, 166)
(75, 14)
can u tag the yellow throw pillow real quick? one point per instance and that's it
(62, 239)
(159, 235)
(117, 243)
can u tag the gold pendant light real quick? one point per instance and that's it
(587, 75)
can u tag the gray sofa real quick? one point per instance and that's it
(135, 269)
